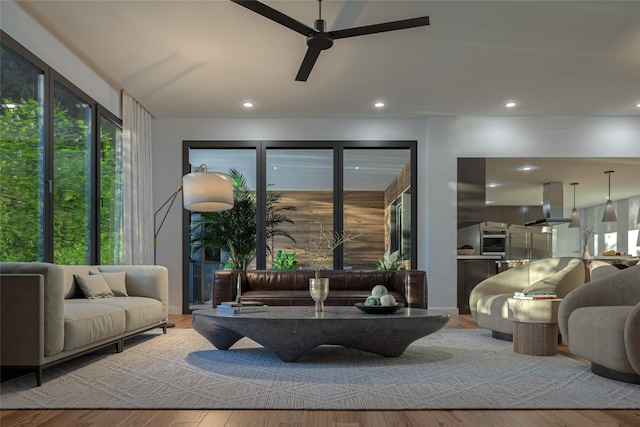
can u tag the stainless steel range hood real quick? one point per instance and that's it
(552, 206)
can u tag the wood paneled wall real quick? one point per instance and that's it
(365, 206)
(398, 186)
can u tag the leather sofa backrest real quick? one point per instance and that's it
(341, 280)
(361, 281)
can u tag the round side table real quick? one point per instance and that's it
(535, 326)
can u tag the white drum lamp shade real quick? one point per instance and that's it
(207, 191)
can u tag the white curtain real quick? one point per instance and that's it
(138, 200)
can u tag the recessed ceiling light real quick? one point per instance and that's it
(638, 105)
(526, 168)
(379, 104)
(510, 104)
(488, 202)
(492, 185)
(247, 104)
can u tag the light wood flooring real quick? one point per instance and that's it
(248, 418)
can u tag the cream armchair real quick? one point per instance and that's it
(488, 300)
(600, 322)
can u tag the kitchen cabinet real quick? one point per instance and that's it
(517, 215)
(471, 271)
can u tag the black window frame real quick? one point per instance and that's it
(50, 77)
(261, 147)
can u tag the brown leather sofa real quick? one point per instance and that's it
(346, 287)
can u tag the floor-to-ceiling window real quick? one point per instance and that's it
(59, 171)
(299, 194)
(21, 158)
(301, 188)
(72, 168)
(377, 198)
(110, 183)
(204, 254)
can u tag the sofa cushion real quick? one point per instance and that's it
(89, 321)
(71, 288)
(93, 286)
(116, 281)
(139, 312)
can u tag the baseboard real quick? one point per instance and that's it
(450, 310)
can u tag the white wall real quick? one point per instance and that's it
(452, 137)
(441, 140)
(168, 135)
(29, 33)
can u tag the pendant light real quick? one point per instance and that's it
(609, 212)
(575, 220)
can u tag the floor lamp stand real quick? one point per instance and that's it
(170, 200)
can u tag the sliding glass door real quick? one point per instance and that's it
(72, 214)
(377, 200)
(21, 159)
(299, 194)
(111, 204)
(297, 190)
(60, 171)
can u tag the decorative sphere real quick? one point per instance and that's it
(371, 301)
(387, 300)
(378, 291)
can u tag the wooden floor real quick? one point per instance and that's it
(247, 418)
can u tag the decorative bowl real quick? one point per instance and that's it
(379, 309)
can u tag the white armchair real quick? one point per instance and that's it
(488, 300)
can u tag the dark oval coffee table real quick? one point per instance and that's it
(292, 331)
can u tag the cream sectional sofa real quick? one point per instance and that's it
(47, 319)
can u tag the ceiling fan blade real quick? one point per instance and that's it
(380, 28)
(275, 16)
(307, 64)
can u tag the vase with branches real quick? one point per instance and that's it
(587, 233)
(321, 250)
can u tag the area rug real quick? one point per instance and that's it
(451, 369)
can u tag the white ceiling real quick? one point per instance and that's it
(516, 187)
(202, 59)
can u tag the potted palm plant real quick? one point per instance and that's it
(234, 231)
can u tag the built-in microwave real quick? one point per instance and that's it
(494, 243)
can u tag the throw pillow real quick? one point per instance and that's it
(93, 286)
(116, 282)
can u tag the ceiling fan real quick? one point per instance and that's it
(320, 39)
